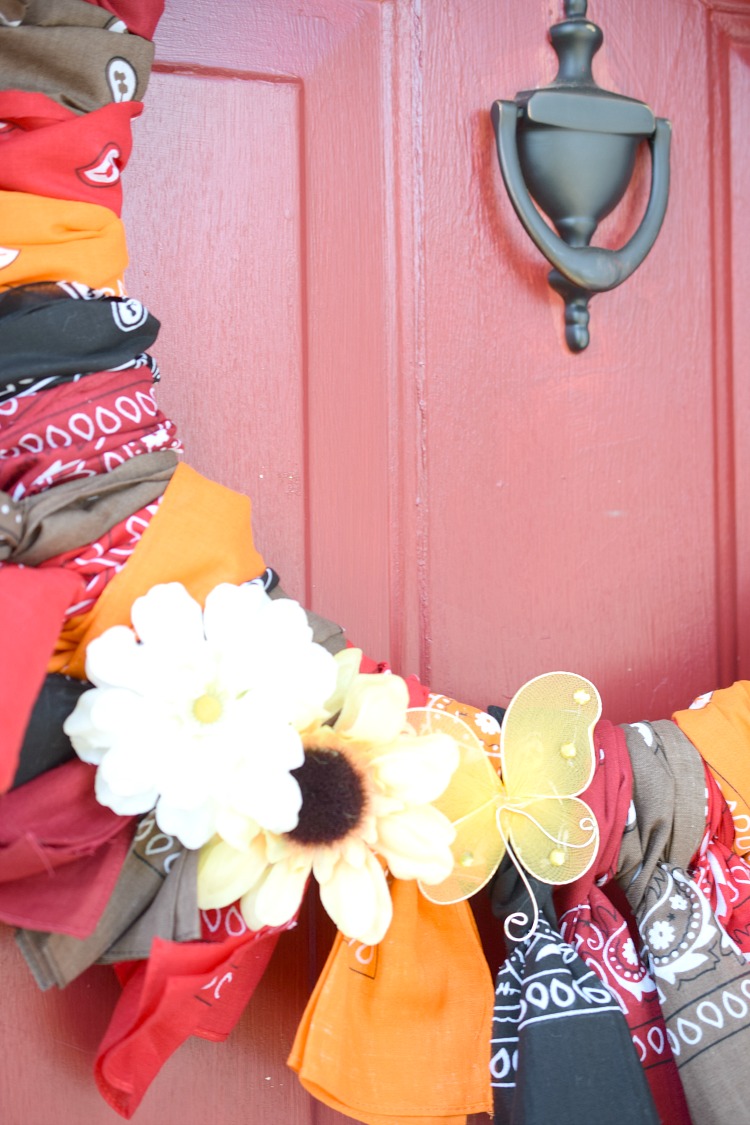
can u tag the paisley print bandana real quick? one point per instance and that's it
(29, 386)
(701, 973)
(63, 433)
(552, 1012)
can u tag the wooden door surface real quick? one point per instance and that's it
(358, 334)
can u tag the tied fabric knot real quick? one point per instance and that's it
(74, 513)
(554, 1017)
(701, 973)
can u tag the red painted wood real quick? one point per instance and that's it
(357, 332)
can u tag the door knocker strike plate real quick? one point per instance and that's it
(571, 147)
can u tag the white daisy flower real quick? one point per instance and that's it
(197, 712)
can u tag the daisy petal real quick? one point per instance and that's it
(112, 658)
(124, 804)
(168, 616)
(194, 827)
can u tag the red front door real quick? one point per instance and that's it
(358, 334)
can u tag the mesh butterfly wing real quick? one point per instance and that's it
(470, 803)
(547, 760)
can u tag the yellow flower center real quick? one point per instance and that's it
(207, 708)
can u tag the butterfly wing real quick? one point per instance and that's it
(555, 838)
(470, 804)
(547, 746)
(547, 760)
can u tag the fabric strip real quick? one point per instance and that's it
(45, 744)
(32, 608)
(72, 431)
(75, 52)
(61, 852)
(154, 861)
(718, 725)
(701, 973)
(200, 536)
(141, 16)
(43, 331)
(72, 514)
(66, 156)
(45, 239)
(561, 1049)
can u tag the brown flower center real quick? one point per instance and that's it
(333, 798)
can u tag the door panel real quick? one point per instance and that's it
(357, 333)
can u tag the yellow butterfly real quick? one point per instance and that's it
(531, 808)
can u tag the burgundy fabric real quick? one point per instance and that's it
(593, 924)
(140, 16)
(193, 988)
(60, 852)
(56, 152)
(79, 429)
(32, 608)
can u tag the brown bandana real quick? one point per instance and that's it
(75, 52)
(702, 977)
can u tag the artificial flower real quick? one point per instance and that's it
(197, 713)
(367, 782)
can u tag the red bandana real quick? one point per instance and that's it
(47, 149)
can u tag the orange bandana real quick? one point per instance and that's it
(200, 536)
(400, 1032)
(43, 239)
(720, 732)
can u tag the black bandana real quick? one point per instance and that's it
(561, 1049)
(59, 330)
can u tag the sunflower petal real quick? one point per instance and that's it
(348, 662)
(277, 898)
(418, 769)
(358, 900)
(417, 844)
(225, 874)
(235, 828)
(374, 709)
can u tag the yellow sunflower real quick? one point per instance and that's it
(367, 782)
